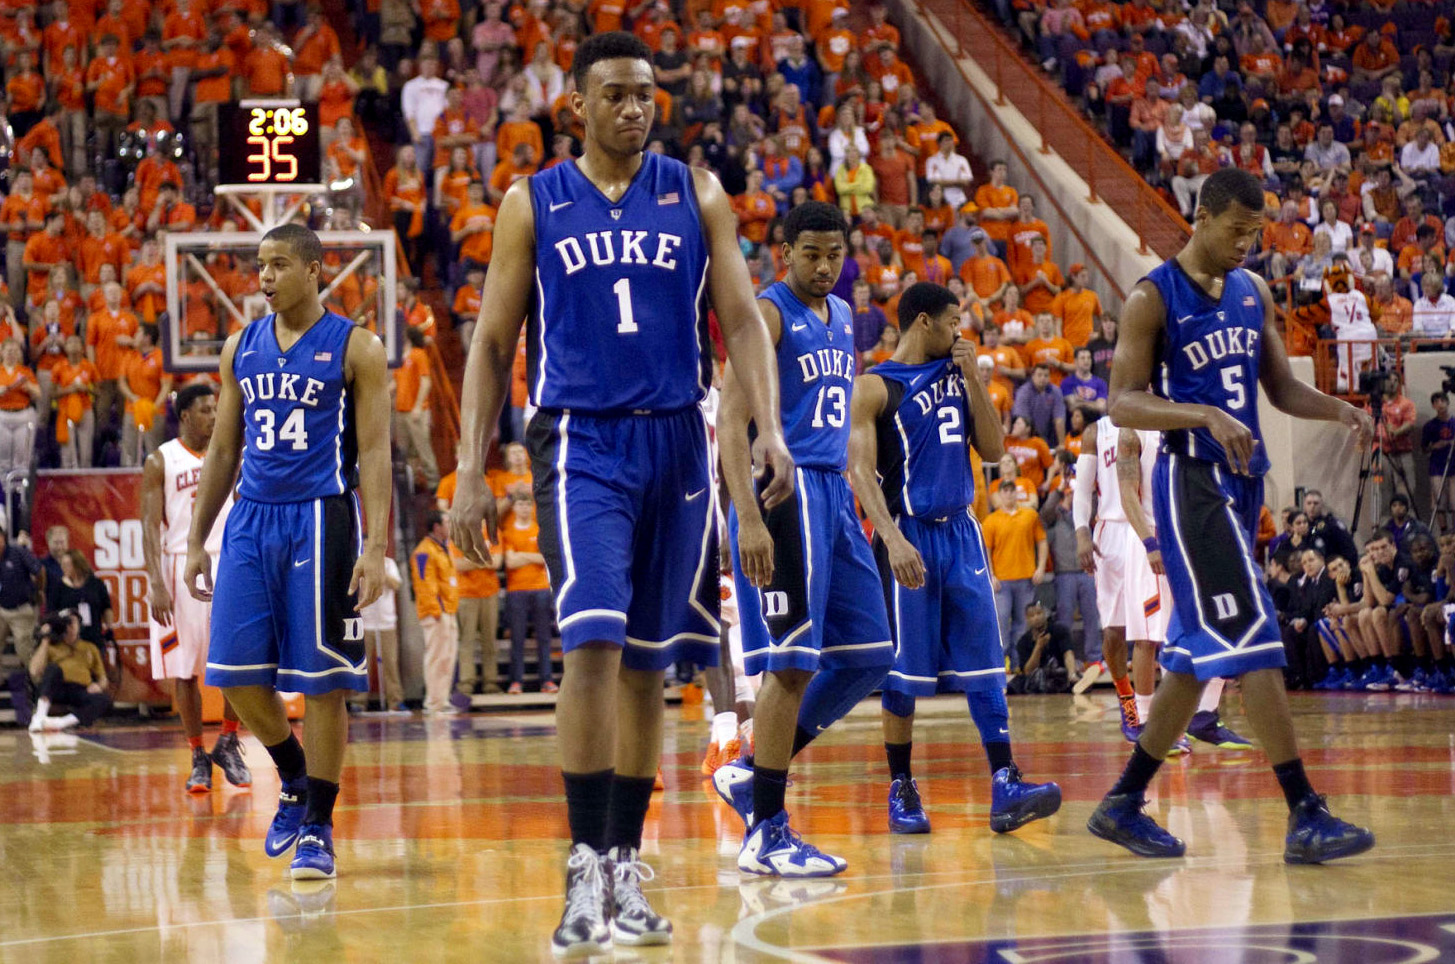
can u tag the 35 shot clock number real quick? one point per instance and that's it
(270, 142)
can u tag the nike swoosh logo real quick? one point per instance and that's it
(561, 204)
(694, 495)
(1184, 319)
(800, 327)
(247, 353)
(299, 562)
(980, 571)
(1003, 731)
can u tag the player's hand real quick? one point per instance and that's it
(474, 506)
(963, 355)
(771, 452)
(1037, 577)
(1359, 422)
(93, 688)
(368, 578)
(199, 565)
(755, 552)
(905, 561)
(1086, 552)
(1154, 559)
(160, 601)
(1298, 624)
(1235, 438)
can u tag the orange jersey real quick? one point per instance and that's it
(13, 396)
(514, 538)
(478, 246)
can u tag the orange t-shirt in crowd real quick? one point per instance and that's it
(267, 72)
(215, 90)
(501, 481)
(511, 133)
(467, 302)
(110, 248)
(1051, 350)
(152, 303)
(513, 538)
(407, 379)
(1001, 398)
(13, 396)
(1032, 456)
(506, 174)
(27, 91)
(1022, 233)
(1011, 539)
(1076, 309)
(990, 196)
(319, 48)
(985, 275)
(48, 360)
(1038, 299)
(606, 15)
(755, 212)
(42, 249)
(152, 71)
(30, 210)
(1006, 355)
(102, 330)
(114, 75)
(519, 390)
(478, 246)
(482, 583)
(82, 374)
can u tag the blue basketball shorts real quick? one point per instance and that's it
(282, 613)
(946, 633)
(824, 607)
(1223, 623)
(627, 513)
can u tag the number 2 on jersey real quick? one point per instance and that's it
(950, 426)
(293, 430)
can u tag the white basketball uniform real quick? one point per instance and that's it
(743, 686)
(1128, 592)
(179, 651)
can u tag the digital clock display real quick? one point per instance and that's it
(270, 142)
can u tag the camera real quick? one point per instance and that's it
(1448, 385)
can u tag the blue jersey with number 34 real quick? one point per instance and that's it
(816, 374)
(1210, 356)
(298, 425)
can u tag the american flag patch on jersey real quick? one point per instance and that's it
(671, 197)
(323, 356)
(1250, 302)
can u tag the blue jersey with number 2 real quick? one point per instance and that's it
(924, 460)
(816, 372)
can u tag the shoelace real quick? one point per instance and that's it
(628, 887)
(583, 899)
(312, 841)
(909, 795)
(796, 839)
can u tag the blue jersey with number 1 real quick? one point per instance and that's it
(298, 424)
(924, 462)
(1210, 355)
(816, 372)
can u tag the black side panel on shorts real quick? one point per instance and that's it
(886, 579)
(1214, 553)
(543, 441)
(785, 600)
(342, 627)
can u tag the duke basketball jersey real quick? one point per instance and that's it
(181, 471)
(816, 372)
(607, 331)
(923, 460)
(298, 430)
(1210, 357)
(1108, 486)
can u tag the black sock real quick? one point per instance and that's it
(1141, 768)
(1293, 780)
(801, 739)
(321, 795)
(630, 797)
(588, 802)
(998, 753)
(288, 758)
(898, 754)
(769, 788)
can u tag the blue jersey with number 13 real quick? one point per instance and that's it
(816, 372)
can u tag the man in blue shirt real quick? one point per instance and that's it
(1435, 439)
(1043, 405)
(1083, 388)
(869, 320)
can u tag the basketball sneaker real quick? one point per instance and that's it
(1384, 681)
(1207, 727)
(227, 754)
(1371, 676)
(1418, 682)
(283, 832)
(1316, 835)
(1331, 681)
(584, 931)
(774, 849)
(633, 921)
(712, 759)
(906, 812)
(1348, 680)
(1131, 721)
(1089, 676)
(313, 860)
(1181, 748)
(1119, 819)
(201, 779)
(1015, 803)
(734, 783)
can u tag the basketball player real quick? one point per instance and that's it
(812, 609)
(615, 257)
(914, 420)
(179, 623)
(1208, 326)
(305, 395)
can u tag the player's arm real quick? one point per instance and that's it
(504, 302)
(755, 544)
(870, 397)
(1132, 406)
(367, 371)
(987, 430)
(745, 332)
(1129, 483)
(1287, 393)
(152, 473)
(1083, 495)
(219, 469)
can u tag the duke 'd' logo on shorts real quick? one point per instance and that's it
(353, 629)
(775, 604)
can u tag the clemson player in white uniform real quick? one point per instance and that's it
(180, 623)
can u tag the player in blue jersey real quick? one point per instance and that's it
(812, 612)
(614, 258)
(915, 417)
(1206, 327)
(304, 408)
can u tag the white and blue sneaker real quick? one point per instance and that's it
(584, 930)
(313, 860)
(774, 849)
(292, 804)
(734, 783)
(633, 922)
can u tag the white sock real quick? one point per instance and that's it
(724, 728)
(1212, 694)
(1144, 707)
(37, 719)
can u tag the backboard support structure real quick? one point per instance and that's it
(280, 203)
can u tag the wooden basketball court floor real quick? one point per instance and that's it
(449, 838)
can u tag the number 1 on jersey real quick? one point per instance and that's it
(623, 290)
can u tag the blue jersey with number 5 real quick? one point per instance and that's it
(298, 416)
(619, 321)
(924, 458)
(816, 372)
(1210, 356)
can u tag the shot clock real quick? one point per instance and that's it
(269, 142)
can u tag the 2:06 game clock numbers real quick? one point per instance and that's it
(270, 142)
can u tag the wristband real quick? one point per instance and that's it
(1151, 545)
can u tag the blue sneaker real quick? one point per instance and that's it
(1315, 835)
(1329, 682)
(1440, 683)
(1207, 727)
(734, 783)
(1347, 679)
(1384, 681)
(283, 831)
(1181, 748)
(1132, 732)
(906, 813)
(1119, 819)
(1370, 676)
(1015, 803)
(313, 860)
(774, 849)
